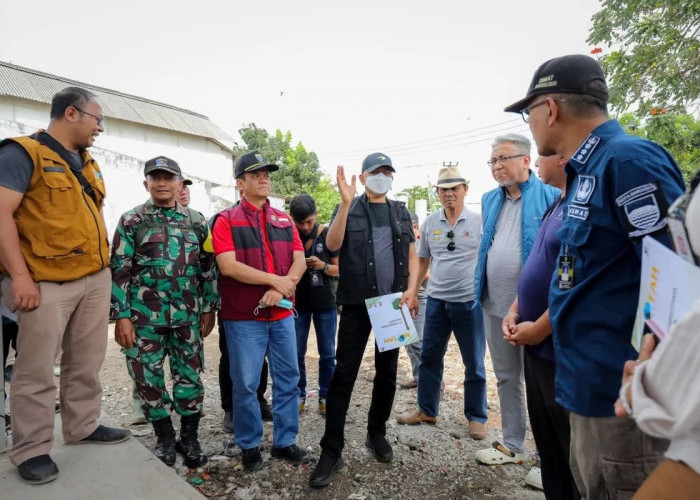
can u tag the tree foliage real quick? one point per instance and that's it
(679, 134)
(420, 193)
(655, 57)
(299, 171)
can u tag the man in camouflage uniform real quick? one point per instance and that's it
(164, 299)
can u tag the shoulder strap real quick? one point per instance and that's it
(196, 220)
(58, 148)
(143, 227)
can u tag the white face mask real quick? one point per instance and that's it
(380, 183)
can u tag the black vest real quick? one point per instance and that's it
(358, 279)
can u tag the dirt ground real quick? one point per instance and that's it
(429, 461)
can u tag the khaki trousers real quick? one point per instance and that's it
(72, 315)
(610, 457)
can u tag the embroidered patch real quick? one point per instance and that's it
(635, 193)
(644, 208)
(643, 213)
(273, 217)
(584, 151)
(578, 212)
(586, 185)
(437, 235)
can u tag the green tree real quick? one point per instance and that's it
(655, 58)
(420, 193)
(299, 168)
(679, 134)
(327, 197)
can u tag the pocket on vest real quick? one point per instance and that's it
(62, 199)
(62, 243)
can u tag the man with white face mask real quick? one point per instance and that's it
(377, 256)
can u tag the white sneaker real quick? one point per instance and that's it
(498, 454)
(534, 478)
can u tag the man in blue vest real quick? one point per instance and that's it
(511, 216)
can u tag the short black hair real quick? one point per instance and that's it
(301, 206)
(70, 96)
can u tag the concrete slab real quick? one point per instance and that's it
(116, 472)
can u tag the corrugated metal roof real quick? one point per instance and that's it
(26, 83)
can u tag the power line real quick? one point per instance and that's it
(441, 137)
(474, 139)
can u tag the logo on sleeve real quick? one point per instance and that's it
(644, 208)
(584, 150)
(586, 185)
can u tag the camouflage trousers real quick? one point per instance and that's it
(184, 347)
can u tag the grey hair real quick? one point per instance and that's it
(521, 143)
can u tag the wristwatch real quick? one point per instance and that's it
(325, 268)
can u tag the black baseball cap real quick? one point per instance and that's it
(376, 160)
(162, 163)
(571, 74)
(187, 182)
(250, 162)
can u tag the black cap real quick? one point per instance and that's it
(187, 182)
(564, 75)
(250, 162)
(161, 163)
(376, 160)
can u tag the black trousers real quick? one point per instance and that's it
(9, 335)
(353, 334)
(225, 383)
(550, 428)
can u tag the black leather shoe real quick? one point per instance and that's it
(38, 470)
(106, 435)
(292, 454)
(266, 411)
(381, 449)
(252, 460)
(323, 472)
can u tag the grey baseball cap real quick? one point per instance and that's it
(376, 160)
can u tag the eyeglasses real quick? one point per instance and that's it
(502, 159)
(451, 245)
(525, 113)
(99, 119)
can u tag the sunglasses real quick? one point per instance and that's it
(451, 245)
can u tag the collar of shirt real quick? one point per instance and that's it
(597, 136)
(462, 215)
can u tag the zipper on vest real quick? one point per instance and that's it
(97, 225)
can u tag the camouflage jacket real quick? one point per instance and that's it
(166, 279)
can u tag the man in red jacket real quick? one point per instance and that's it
(261, 260)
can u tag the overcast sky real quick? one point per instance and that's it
(347, 78)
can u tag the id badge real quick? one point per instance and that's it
(565, 272)
(316, 279)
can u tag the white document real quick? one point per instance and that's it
(668, 287)
(392, 325)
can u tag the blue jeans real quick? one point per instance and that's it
(325, 323)
(248, 342)
(466, 321)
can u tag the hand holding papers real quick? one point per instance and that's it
(669, 286)
(391, 323)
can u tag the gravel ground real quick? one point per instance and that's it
(429, 461)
